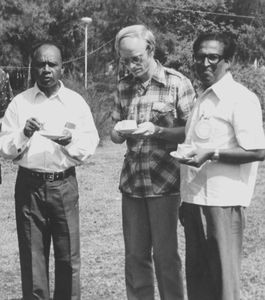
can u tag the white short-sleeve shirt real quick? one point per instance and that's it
(226, 115)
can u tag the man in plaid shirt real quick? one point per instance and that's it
(159, 100)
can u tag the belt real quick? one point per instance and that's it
(47, 176)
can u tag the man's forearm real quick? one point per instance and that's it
(240, 156)
(175, 134)
(236, 156)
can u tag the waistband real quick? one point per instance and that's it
(47, 176)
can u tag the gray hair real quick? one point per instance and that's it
(138, 31)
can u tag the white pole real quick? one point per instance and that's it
(86, 27)
(87, 21)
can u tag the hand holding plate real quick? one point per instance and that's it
(145, 129)
(65, 139)
(197, 157)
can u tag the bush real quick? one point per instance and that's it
(252, 78)
(100, 97)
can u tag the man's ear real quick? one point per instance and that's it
(62, 71)
(228, 64)
(229, 60)
(150, 50)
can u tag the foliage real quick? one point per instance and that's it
(100, 97)
(174, 23)
(177, 28)
(23, 22)
(251, 44)
(249, 6)
(252, 78)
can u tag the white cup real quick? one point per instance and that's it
(184, 149)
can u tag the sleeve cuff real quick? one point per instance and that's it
(21, 141)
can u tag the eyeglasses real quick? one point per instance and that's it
(137, 60)
(213, 59)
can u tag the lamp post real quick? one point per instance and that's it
(87, 21)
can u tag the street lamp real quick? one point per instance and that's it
(87, 21)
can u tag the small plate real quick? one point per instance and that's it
(126, 130)
(176, 155)
(51, 135)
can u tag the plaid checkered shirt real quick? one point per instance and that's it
(166, 100)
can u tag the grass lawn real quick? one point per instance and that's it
(101, 233)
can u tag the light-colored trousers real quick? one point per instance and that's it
(213, 251)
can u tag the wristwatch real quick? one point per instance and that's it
(216, 155)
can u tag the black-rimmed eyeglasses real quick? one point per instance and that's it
(212, 59)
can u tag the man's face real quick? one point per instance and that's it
(135, 56)
(209, 62)
(47, 66)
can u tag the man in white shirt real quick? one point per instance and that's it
(226, 132)
(47, 131)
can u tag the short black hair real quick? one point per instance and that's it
(37, 45)
(226, 39)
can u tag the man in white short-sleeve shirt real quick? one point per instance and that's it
(218, 176)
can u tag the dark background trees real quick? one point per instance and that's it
(175, 23)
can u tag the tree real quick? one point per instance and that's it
(249, 7)
(23, 23)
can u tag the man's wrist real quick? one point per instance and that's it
(216, 155)
(158, 131)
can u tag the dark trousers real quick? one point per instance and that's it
(151, 224)
(45, 211)
(213, 251)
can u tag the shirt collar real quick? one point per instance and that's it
(158, 75)
(222, 87)
(59, 93)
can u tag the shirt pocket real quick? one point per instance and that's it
(163, 114)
